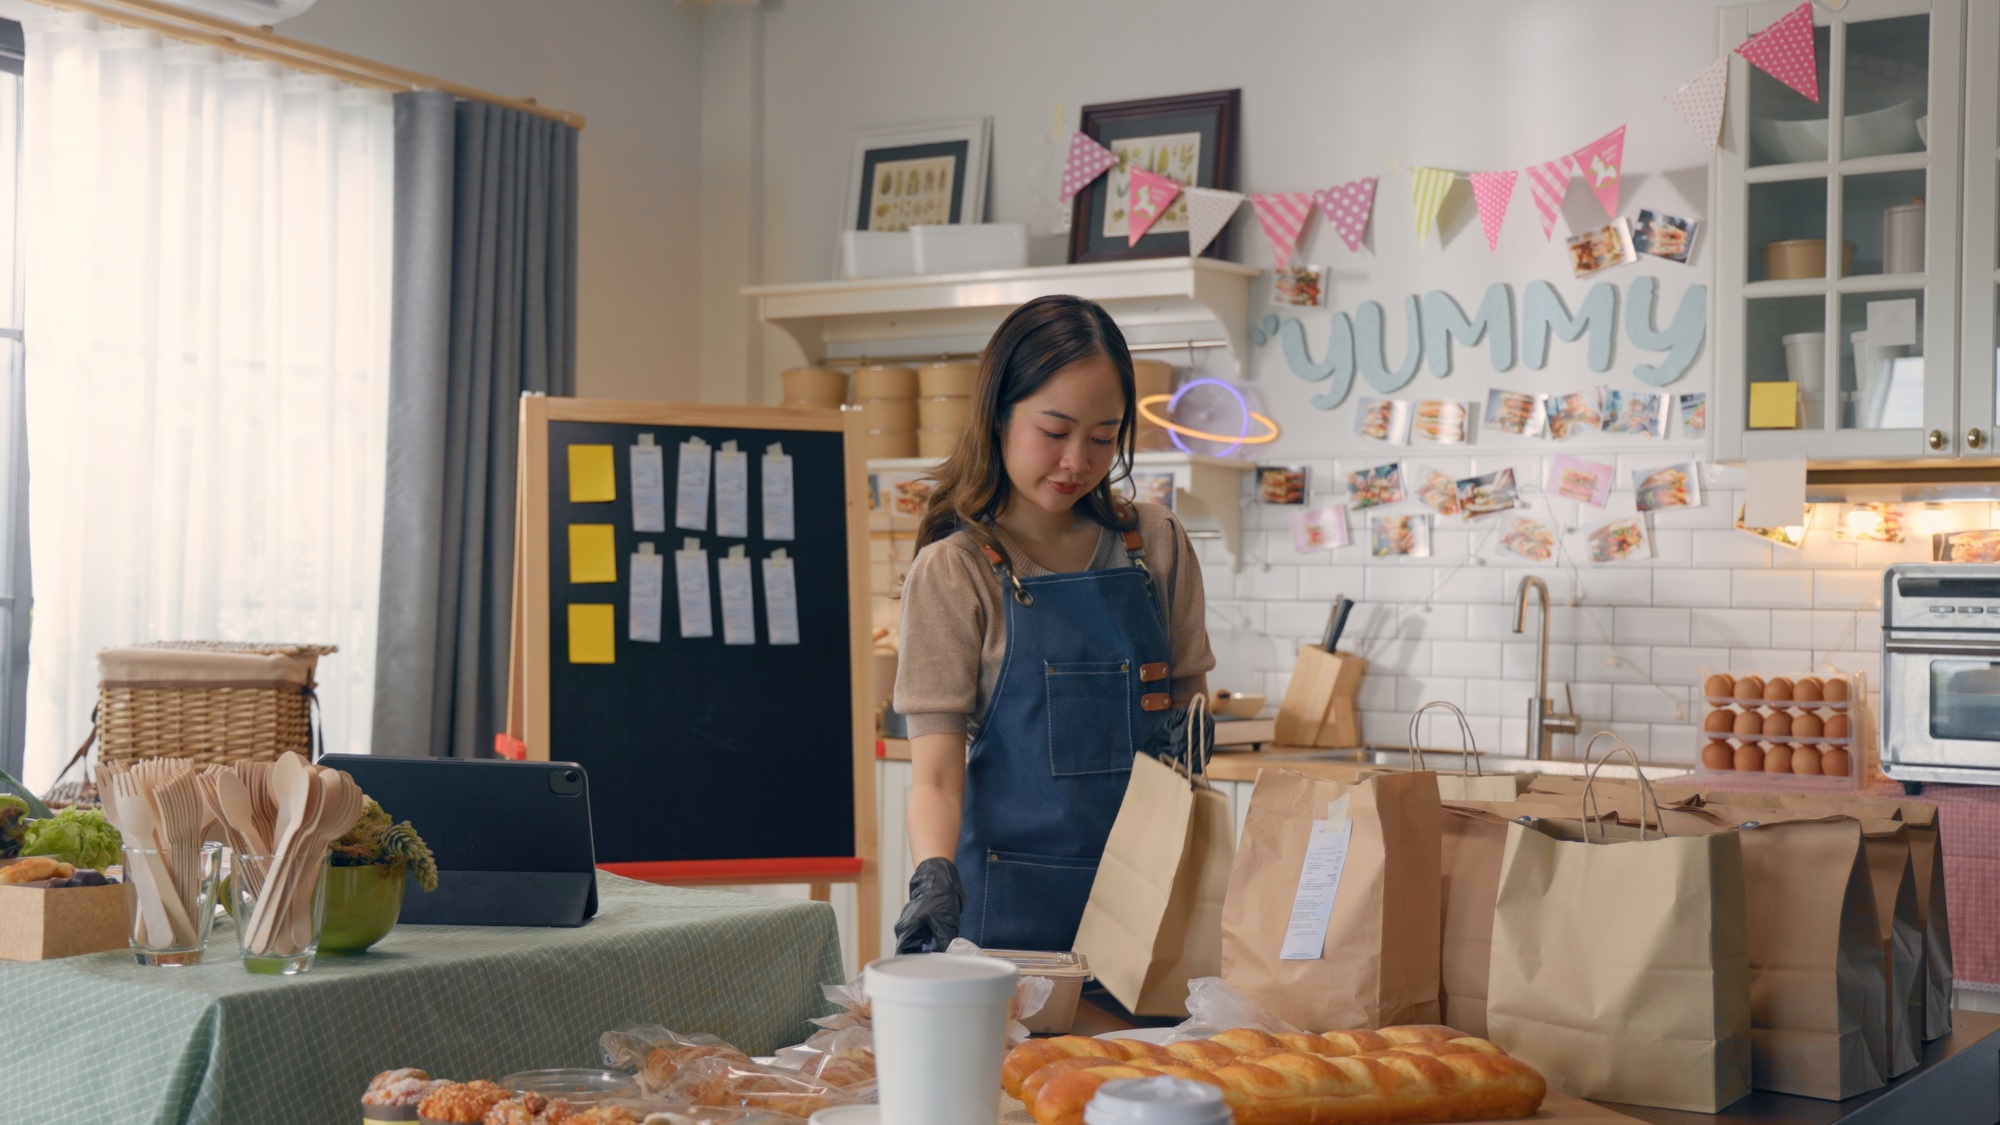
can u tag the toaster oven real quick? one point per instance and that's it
(1941, 673)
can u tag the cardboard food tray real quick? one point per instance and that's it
(41, 923)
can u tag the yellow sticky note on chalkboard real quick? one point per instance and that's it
(1774, 406)
(592, 635)
(593, 553)
(591, 480)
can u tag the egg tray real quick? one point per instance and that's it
(1851, 742)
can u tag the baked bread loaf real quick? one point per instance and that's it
(1035, 1054)
(1454, 1081)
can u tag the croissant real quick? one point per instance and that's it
(1305, 1089)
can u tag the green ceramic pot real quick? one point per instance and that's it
(362, 904)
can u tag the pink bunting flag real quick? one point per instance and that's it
(1209, 210)
(1492, 191)
(1599, 161)
(1087, 161)
(1548, 182)
(1348, 207)
(1786, 52)
(1699, 101)
(1148, 199)
(1283, 215)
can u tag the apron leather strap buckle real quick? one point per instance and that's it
(1155, 701)
(1152, 673)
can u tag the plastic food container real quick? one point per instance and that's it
(578, 1087)
(1067, 971)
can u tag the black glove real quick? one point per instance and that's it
(1168, 740)
(930, 918)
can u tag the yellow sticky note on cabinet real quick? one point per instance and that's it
(592, 637)
(591, 479)
(593, 553)
(1774, 406)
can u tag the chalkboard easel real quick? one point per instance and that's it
(709, 762)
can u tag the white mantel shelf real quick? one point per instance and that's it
(1155, 301)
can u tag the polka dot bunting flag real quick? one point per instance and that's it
(1150, 195)
(1699, 101)
(1209, 210)
(1492, 191)
(1785, 51)
(1347, 207)
(1087, 161)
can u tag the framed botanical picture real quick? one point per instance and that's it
(903, 176)
(1190, 139)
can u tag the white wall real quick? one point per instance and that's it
(633, 69)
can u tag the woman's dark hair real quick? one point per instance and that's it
(1035, 341)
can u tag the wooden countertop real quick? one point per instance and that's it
(1958, 1082)
(1231, 736)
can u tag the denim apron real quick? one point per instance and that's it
(1084, 678)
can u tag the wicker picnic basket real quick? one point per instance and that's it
(210, 701)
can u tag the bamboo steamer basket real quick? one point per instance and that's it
(879, 381)
(885, 444)
(952, 414)
(947, 380)
(814, 386)
(888, 413)
(937, 443)
(1152, 377)
(1797, 258)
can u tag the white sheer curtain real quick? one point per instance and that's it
(207, 277)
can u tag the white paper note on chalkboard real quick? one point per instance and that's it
(691, 489)
(739, 618)
(649, 486)
(732, 492)
(778, 503)
(691, 574)
(649, 577)
(781, 599)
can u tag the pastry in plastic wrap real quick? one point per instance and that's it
(400, 1089)
(656, 1054)
(721, 1082)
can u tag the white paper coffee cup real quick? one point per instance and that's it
(940, 1024)
(1156, 1101)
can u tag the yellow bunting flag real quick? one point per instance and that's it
(1428, 187)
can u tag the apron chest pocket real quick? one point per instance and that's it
(1089, 717)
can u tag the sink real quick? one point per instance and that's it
(1396, 758)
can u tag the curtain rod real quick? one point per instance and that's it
(259, 43)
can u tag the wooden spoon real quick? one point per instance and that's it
(297, 793)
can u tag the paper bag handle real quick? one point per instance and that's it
(1467, 751)
(1196, 753)
(1589, 799)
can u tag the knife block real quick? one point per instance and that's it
(1318, 709)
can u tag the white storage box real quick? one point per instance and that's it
(971, 247)
(875, 253)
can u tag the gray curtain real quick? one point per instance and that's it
(485, 310)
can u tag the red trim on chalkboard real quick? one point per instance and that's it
(881, 748)
(660, 871)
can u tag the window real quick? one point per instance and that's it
(14, 590)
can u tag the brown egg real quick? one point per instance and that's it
(1808, 690)
(1833, 763)
(1778, 759)
(1749, 757)
(1749, 724)
(1718, 686)
(1778, 690)
(1807, 726)
(1805, 760)
(1719, 722)
(1718, 756)
(1778, 724)
(1750, 688)
(1836, 725)
(1836, 690)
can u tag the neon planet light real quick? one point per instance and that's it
(1242, 437)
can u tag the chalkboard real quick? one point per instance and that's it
(704, 757)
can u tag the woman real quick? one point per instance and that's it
(1046, 626)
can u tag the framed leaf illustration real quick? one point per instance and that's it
(914, 174)
(1190, 139)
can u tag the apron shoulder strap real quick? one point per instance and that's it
(997, 559)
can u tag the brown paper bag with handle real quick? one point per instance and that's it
(1154, 918)
(1379, 963)
(1818, 985)
(1621, 963)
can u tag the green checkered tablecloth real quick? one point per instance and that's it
(104, 1040)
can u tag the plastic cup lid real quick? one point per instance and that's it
(940, 978)
(1156, 1101)
(847, 1115)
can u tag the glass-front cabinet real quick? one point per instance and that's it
(1837, 245)
(1979, 242)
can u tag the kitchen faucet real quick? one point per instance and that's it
(1543, 721)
